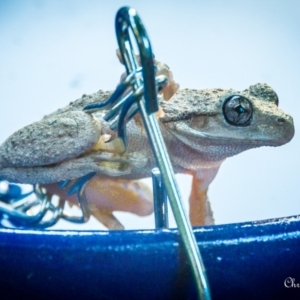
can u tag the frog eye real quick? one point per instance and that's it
(237, 110)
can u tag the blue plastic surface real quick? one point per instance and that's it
(243, 261)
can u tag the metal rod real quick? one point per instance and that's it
(160, 201)
(184, 227)
(127, 18)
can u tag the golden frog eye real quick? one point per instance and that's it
(237, 110)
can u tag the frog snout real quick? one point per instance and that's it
(283, 119)
(287, 127)
(280, 121)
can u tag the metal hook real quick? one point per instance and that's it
(129, 109)
(112, 100)
(126, 19)
(17, 209)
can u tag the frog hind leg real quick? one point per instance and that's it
(106, 195)
(116, 194)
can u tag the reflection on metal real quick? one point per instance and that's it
(136, 93)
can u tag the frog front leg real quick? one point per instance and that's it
(106, 195)
(200, 212)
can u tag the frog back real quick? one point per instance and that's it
(51, 140)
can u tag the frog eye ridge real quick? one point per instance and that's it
(237, 110)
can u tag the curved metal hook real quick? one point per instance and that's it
(127, 18)
(112, 100)
(129, 109)
(17, 208)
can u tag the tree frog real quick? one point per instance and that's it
(201, 128)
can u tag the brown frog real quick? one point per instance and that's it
(201, 128)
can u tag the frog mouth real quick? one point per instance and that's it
(190, 136)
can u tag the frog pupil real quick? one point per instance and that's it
(240, 109)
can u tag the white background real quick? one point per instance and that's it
(52, 52)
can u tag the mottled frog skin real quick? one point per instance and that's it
(201, 128)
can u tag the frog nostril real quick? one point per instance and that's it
(280, 120)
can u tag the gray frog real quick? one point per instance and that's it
(201, 128)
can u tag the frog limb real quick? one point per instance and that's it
(106, 218)
(104, 163)
(40, 143)
(200, 212)
(161, 69)
(106, 195)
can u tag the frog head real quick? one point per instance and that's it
(220, 123)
